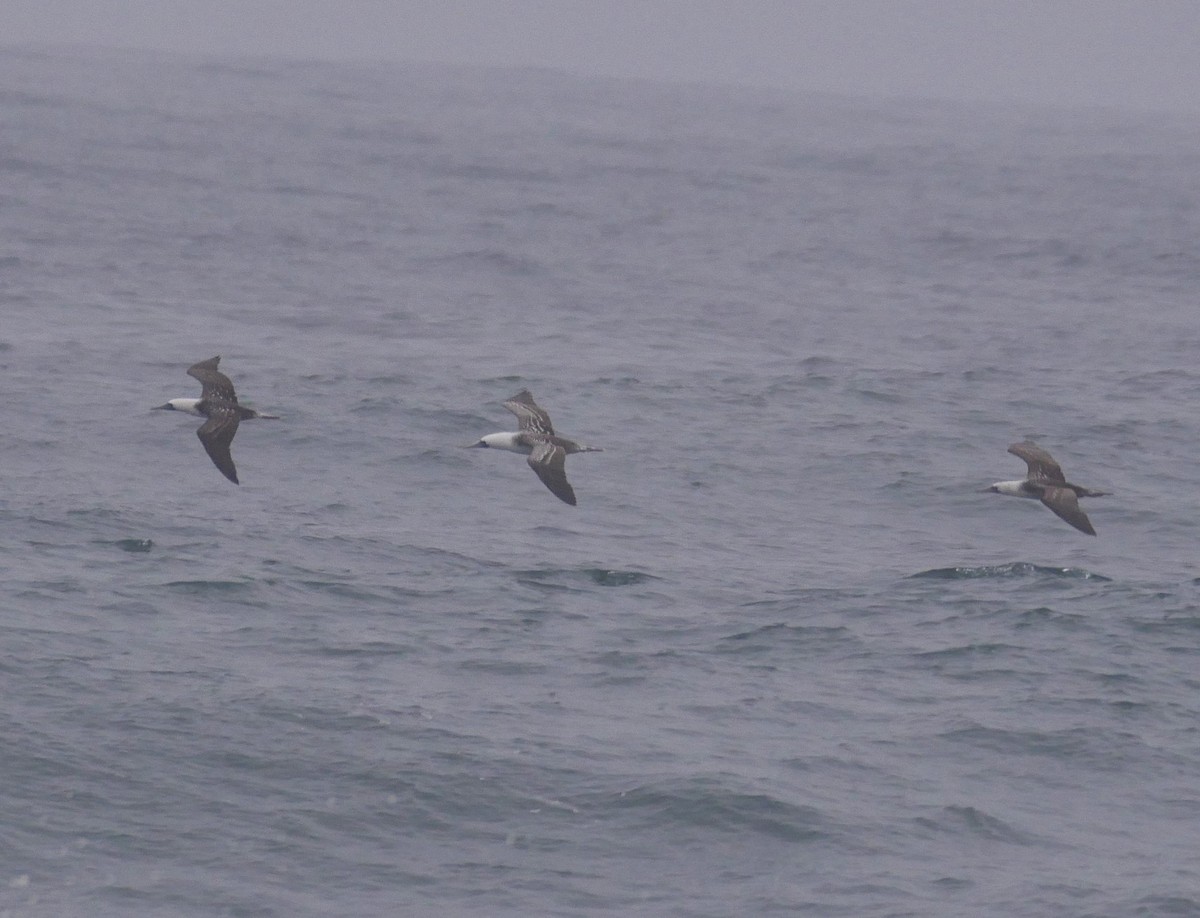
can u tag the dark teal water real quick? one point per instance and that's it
(783, 658)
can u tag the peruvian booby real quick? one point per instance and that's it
(536, 439)
(1045, 482)
(219, 404)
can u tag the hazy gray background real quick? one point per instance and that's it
(1070, 52)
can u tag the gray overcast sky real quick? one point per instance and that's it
(1126, 53)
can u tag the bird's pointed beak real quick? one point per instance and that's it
(473, 445)
(166, 407)
(988, 490)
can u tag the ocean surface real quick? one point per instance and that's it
(783, 658)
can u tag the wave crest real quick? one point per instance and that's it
(1012, 569)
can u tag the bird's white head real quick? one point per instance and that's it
(505, 440)
(1011, 488)
(187, 405)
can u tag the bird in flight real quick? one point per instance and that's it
(546, 451)
(1045, 481)
(219, 406)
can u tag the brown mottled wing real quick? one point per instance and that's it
(217, 434)
(529, 415)
(1041, 466)
(550, 463)
(1065, 504)
(215, 384)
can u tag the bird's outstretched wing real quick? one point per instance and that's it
(550, 463)
(531, 418)
(1065, 505)
(215, 384)
(1041, 466)
(217, 434)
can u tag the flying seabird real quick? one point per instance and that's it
(219, 404)
(1045, 482)
(547, 452)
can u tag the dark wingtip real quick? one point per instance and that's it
(567, 496)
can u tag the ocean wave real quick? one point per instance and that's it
(134, 546)
(707, 803)
(972, 821)
(600, 576)
(1012, 569)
